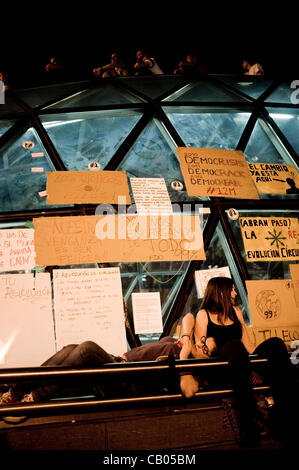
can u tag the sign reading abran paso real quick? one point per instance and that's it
(270, 238)
(216, 173)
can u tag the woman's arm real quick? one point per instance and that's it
(245, 338)
(201, 325)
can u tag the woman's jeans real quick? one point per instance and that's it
(87, 353)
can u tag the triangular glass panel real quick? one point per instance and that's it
(263, 145)
(287, 120)
(155, 86)
(151, 156)
(221, 129)
(252, 86)
(282, 94)
(204, 91)
(23, 175)
(39, 96)
(10, 107)
(5, 125)
(83, 138)
(104, 93)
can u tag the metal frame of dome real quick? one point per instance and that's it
(150, 96)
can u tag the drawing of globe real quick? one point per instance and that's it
(268, 305)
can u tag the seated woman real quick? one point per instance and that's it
(220, 331)
(90, 354)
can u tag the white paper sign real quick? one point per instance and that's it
(151, 196)
(17, 249)
(147, 313)
(202, 278)
(26, 320)
(89, 306)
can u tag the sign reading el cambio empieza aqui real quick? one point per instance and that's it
(270, 238)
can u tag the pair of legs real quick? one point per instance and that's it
(279, 373)
(87, 353)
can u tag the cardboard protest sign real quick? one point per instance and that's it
(272, 303)
(203, 276)
(17, 249)
(216, 173)
(270, 238)
(26, 321)
(88, 305)
(275, 178)
(87, 187)
(151, 196)
(289, 334)
(117, 238)
(294, 269)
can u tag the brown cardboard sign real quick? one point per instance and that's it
(87, 187)
(216, 173)
(272, 303)
(274, 178)
(270, 238)
(117, 238)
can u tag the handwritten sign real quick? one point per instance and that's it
(270, 238)
(294, 268)
(272, 303)
(288, 334)
(17, 249)
(274, 178)
(87, 187)
(117, 238)
(151, 196)
(216, 173)
(203, 276)
(147, 313)
(89, 306)
(26, 320)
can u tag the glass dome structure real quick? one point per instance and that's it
(135, 124)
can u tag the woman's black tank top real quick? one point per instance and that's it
(223, 333)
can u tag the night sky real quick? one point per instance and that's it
(84, 37)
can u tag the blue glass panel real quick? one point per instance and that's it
(151, 156)
(41, 95)
(9, 107)
(84, 138)
(5, 125)
(210, 130)
(287, 120)
(261, 148)
(19, 186)
(252, 86)
(282, 94)
(154, 86)
(106, 93)
(203, 92)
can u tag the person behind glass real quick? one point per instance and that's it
(115, 68)
(190, 66)
(90, 354)
(146, 65)
(251, 67)
(220, 331)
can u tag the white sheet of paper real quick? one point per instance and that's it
(17, 249)
(202, 278)
(151, 196)
(26, 320)
(147, 313)
(88, 305)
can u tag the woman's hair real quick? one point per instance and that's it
(217, 299)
